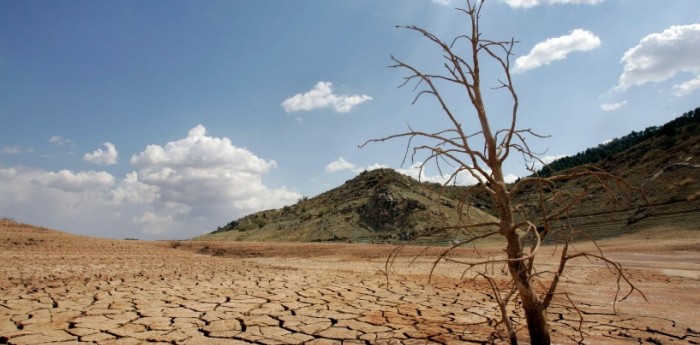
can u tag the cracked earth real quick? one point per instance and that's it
(64, 289)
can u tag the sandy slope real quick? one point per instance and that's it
(59, 288)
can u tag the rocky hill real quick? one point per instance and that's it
(376, 206)
(661, 163)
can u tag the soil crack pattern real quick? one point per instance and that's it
(131, 292)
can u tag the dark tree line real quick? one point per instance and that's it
(689, 122)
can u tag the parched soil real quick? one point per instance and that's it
(64, 289)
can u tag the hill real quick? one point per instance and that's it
(679, 129)
(661, 163)
(19, 235)
(376, 206)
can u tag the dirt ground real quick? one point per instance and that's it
(64, 289)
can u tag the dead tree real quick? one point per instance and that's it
(481, 152)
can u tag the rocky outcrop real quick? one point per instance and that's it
(387, 210)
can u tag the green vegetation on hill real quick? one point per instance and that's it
(674, 130)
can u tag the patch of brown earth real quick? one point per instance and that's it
(63, 289)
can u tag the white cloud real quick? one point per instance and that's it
(414, 171)
(131, 190)
(660, 56)
(60, 141)
(199, 151)
(510, 178)
(442, 2)
(75, 182)
(554, 49)
(322, 96)
(179, 190)
(153, 223)
(686, 88)
(533, 3)
(551, 158)
(91, 203)
(375, 166)
(547, 159)
(109, 157)
(340, 165)
(613, 106)
(211, 176)
(59, 199)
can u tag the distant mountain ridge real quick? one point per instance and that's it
(385, 206)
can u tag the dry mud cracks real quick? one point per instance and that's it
(62, 289)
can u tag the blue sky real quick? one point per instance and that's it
(165, 119)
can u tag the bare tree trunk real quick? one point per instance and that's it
(535, 313)
(536, 320)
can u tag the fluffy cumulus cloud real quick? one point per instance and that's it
(557, 48)
(178, 190)
(661, 56)
(322, 96)
(204, 177)
(75, 182)
(76, 201)
(132, 191)
(613, 106)
(533, 3)
(686, 88)
(201, 152)
(341, 164)
(110, 156)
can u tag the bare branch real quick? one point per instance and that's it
(502, 304)
(443, 255)
(471, 265)
(580, 318)
(481, 155)
(555, 282)
(620, 276)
